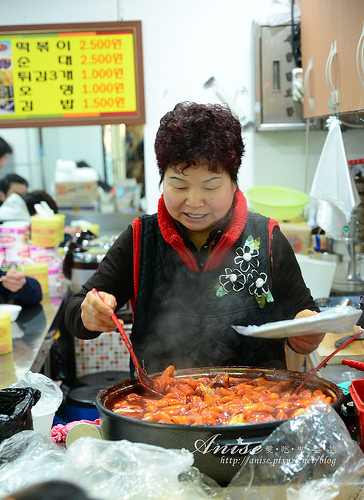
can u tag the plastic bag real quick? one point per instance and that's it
(309, 457)
(15, 410)
(134, 470)
(51, 398)
(51, 394)
(312, 452)
(107, 470)
(28, 458)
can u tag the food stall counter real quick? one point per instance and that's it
(32, 335)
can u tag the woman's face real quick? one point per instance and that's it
(197, 197)
(3, 160)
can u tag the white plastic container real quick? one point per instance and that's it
(42, 422)
(14, 233)
(56, 278)
(318, 275)
(43, 255)
(17, 253)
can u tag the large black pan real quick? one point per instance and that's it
(219, 450)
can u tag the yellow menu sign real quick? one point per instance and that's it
(71, 76)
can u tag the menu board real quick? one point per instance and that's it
(74, 74)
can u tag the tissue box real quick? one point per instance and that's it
(70, 195)
(298, 234)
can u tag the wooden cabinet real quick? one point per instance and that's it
(332, 45)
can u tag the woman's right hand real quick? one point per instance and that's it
(95, 314)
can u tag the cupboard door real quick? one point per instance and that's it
(349, 20)
(326, 24)
(317, 34)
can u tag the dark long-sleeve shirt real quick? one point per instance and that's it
(115, 275)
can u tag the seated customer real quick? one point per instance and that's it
(5, 151)
(16, 288)
(35, 197)
(12, 183)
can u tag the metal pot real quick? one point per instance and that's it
(83, 256)
(219, 450)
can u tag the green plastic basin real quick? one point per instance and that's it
(280, 203)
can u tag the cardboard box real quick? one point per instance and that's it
(76, 194)
(72, 209)
(298, 234)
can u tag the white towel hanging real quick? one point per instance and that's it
(333, 185)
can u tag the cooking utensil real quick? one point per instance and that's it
(346, 302)
(324, 362)
(146, 382)
(353, 363)
(342, 341)
(214, 446)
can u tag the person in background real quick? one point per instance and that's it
(202, 263)
(16, 288)
(5, 151)
(34, 197)
(12, 183)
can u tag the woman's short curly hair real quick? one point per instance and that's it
(192, 133)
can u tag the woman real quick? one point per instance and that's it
(202, 263)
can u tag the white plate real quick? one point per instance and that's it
(334, 320)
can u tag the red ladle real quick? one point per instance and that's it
(146, 382)
(324, 362)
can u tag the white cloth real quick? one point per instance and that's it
(14, 208)
(333, 185)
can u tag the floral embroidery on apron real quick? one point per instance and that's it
(246, 274)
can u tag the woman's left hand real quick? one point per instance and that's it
(304, 344)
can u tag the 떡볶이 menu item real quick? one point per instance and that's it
(89, 73)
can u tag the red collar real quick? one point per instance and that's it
(232, 232)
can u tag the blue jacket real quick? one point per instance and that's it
(29, 295)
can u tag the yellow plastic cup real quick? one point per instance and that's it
(45, 232)
(6, 342)
(61, 221)
(40, 273)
